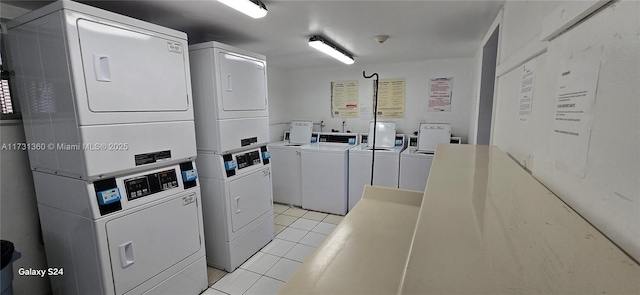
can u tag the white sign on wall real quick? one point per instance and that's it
(526, 90)
(391, 97)
(344, 99)
(575, 99)
(440, 95)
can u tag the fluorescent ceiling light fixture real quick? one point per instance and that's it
(332, 50)
(252, 8)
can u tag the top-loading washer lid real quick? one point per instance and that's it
(300, 132)
(431, 134)
(385, 135)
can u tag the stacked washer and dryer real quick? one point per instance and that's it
(389, 145)
(113, 142)
(232, 130)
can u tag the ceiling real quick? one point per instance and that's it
(419, 30)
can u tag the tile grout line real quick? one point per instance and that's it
(291, 249)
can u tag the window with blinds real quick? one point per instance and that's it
(5, 98)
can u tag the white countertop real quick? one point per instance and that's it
(485, 226)
(488, 227)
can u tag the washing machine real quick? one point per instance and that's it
(325, 173)
(416, 160)
(129, 234)
(387, 161)
(414, 167)
(229, 96)
(286, 163)
(431, 134)
(237, 205)
(96, 109)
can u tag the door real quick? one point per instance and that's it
(244, 83)
(130, 71)
(146, 242)
(287, 179)
(249, 197)
(487, 83)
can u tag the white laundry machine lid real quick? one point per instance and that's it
(431, 134)
(300, 132)
(385, 135)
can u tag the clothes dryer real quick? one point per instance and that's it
(229, 96)
(237, 205)
(96, 109)
(130, 234)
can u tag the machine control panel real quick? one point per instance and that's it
(248, 159)
(314, 136)
(348, 138)
(150, 184)
(398, 142)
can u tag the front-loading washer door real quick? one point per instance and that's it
(146, 242)
(249, 197)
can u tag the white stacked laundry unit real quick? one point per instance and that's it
(232, 130)
(114, 143)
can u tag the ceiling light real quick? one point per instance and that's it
(252, 8)
(332, 50)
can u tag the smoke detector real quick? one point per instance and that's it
(381, 38)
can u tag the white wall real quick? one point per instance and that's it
(278, 87)
(19, 222)
(522, 23)
(309, 94)
(608, 194)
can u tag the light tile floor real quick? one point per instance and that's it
(297, 234)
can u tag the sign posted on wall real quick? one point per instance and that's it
(575, 98)
(526, 90)
(391, 96)
(440, 95)
(344, 99)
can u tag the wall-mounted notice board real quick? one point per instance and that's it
(440, 95)
(391, 98)
(344, 99)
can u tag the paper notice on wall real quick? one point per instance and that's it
(440, 95)
(526, 90)
(574, 101)
(391, 97)
(345, 99)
